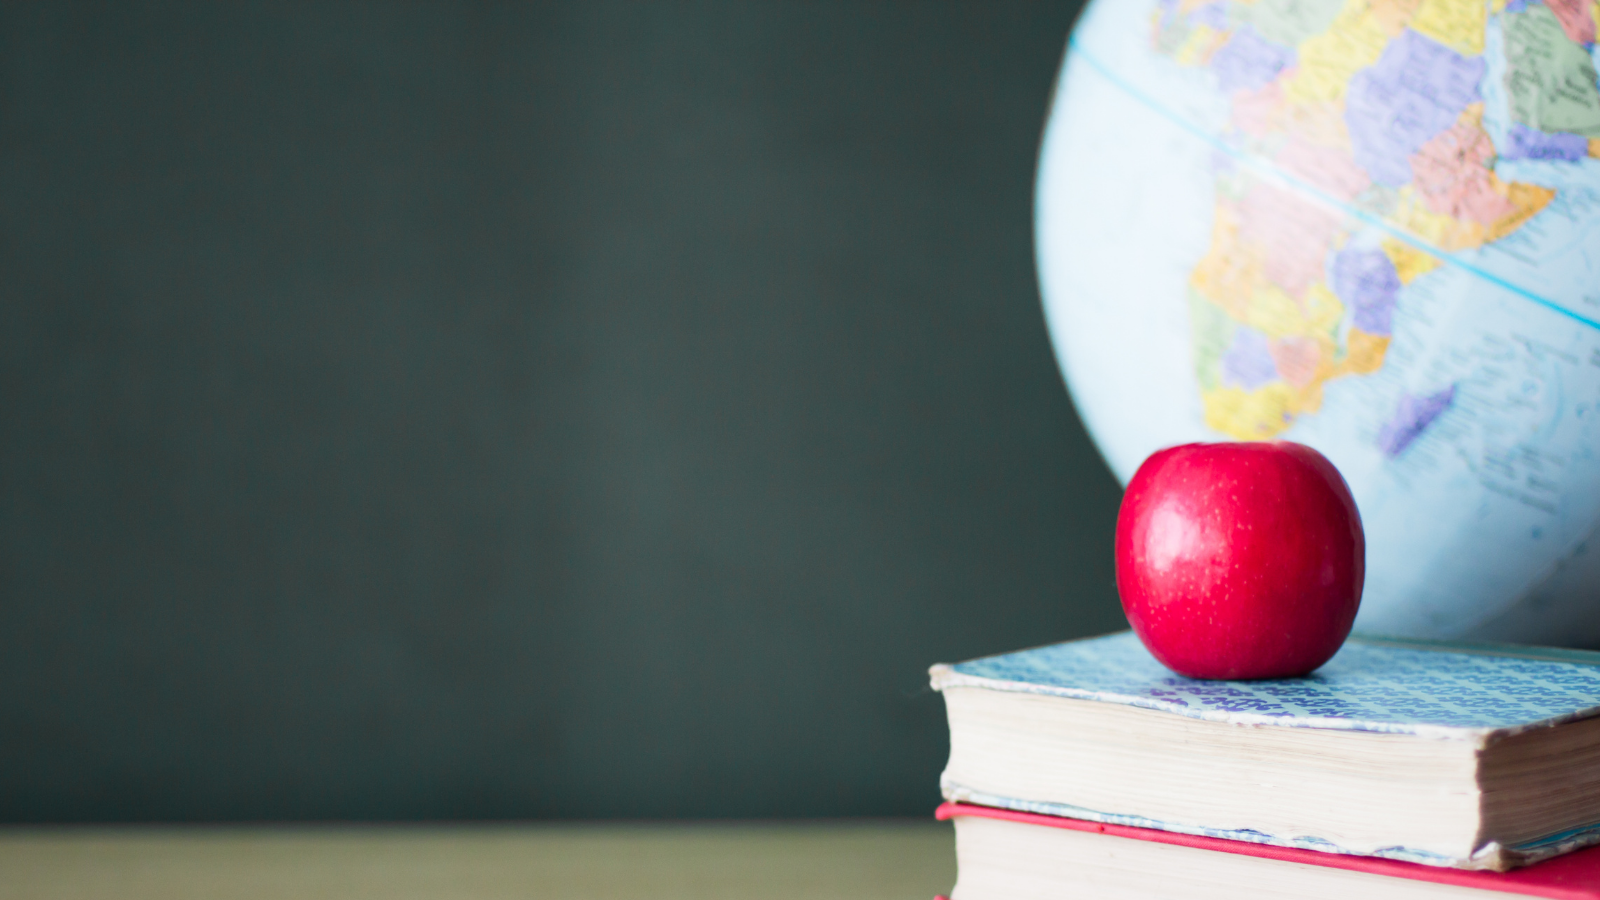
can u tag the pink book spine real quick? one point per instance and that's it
(1575, 876)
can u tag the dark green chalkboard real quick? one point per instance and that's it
(493, 410)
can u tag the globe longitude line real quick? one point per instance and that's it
(1262, 163)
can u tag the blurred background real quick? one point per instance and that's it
(594, 410)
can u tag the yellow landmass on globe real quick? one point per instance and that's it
(1197, 48)
(1263, 413)
(1327, 61)
(1458, 24)
(1257, 415)
(1409, 262)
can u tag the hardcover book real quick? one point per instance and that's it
(1467, 756)
(1008, 855)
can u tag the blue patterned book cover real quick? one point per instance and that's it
(1469, 692)
(1400, 687)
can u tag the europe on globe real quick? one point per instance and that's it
(1370, 226)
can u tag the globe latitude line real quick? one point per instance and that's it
(1262, 164)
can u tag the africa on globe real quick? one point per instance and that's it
(1367, 226)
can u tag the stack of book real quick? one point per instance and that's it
(1399, 769)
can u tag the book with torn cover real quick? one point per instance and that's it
(1010, 855)
(1455, 755)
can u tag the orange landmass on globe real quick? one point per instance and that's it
(1394, 15)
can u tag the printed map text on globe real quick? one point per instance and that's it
(1370, 226)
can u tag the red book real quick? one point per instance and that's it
(1004, 853)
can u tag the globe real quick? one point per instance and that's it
(1370, 226)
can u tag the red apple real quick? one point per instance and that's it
(1240, 560)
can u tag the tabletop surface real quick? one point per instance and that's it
(879, 859)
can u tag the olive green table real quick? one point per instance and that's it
(867, 860)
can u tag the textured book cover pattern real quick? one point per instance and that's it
(1444, 691)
